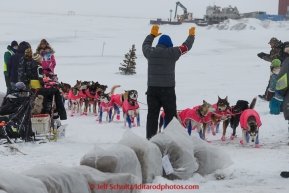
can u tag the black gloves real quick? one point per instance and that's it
(261, 55)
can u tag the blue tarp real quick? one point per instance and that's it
(272, 17)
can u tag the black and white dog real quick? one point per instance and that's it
(237, 110)
(130, 109)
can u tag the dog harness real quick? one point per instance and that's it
(72, 96)
(106, 107)
(82, 94)
(221, 113)
(115, 99)
(126, 106)
(192, 114)
(88, 94)
(246, 114)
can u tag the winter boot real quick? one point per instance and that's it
(262, 97)
(274, 106)
(285, 174)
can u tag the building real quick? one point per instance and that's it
(283, 7)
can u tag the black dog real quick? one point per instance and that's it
(237, 110)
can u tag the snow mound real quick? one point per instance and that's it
(249, 24)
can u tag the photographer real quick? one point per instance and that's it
(275, 53)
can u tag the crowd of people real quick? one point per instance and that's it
(22, 65)
(32, 74)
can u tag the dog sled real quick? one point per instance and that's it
(18, 125)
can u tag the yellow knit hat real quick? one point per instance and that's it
(28, 52)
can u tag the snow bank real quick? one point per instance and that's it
(95, 178)
(116, 159)
(249, 24)
(148, 154)
(176, 143)
(14, 183)
(210, 158)
(58, 178)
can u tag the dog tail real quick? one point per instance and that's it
(253, 103)
(113, 89)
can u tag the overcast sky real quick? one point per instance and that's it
(134, 8)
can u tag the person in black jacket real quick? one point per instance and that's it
(161, 76)
(13, 63)
(24, 68)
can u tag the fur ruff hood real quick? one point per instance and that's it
(48, 48)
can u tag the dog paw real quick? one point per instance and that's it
(208, 141)
(241, 142)
(257, 146)
(223, 138)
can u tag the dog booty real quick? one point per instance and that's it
(274, 106)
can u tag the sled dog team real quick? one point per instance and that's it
(207, 115)
(89, 94)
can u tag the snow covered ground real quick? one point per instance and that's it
(221, 63)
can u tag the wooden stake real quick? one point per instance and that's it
(103, 48)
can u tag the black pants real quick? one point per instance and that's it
(158, 97)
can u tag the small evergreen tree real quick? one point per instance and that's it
(128, 67)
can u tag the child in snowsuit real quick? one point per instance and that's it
(274, 97)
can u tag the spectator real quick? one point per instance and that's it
(12, 66)
(36, 74)
(274, 97)
(161, 76)
(48, 59)
(275, 53)
(24, 68)
(11, 50)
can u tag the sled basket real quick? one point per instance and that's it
(40, 123)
